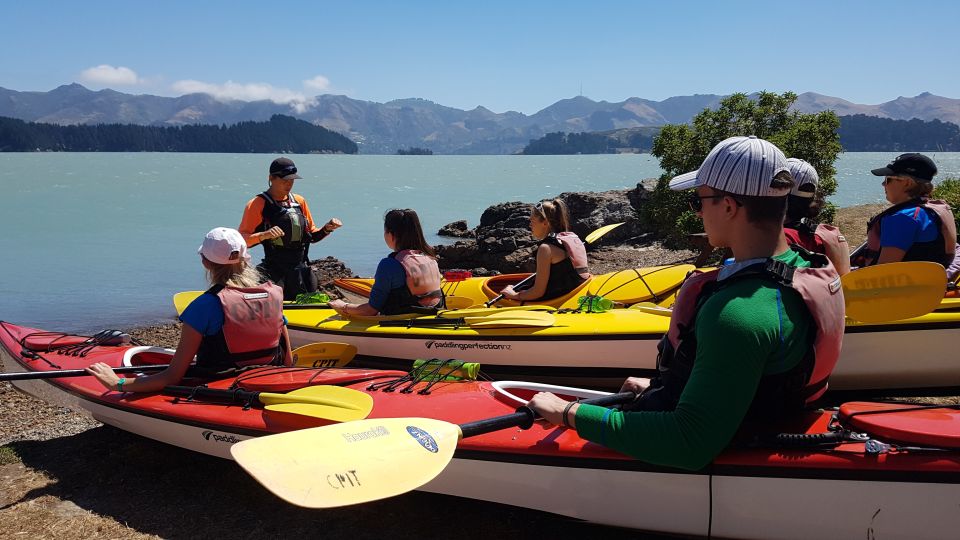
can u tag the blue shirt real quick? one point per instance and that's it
(904, 228)
(205, 315)
(390, 275)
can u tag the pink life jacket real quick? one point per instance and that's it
(940, 250)
(822, 294)
(252, 325)
(576, 251)
(423, 276)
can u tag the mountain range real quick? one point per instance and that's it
(386, 127)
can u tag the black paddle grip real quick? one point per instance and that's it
(235, 395)
(524, 417)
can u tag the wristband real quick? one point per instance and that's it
(566, 412)
(120, 384)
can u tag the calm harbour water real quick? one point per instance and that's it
(95, 240)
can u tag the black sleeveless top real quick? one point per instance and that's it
(563, 277)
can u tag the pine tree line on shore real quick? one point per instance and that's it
(280, 134)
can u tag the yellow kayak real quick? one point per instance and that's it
(655, 284)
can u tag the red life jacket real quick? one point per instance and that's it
(940, 250)
(252, 326)
(576, 251)
(822, 294)
(423, 276)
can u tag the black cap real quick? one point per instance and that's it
(916, 166)
(284, 168)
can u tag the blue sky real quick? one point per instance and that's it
(518, 55)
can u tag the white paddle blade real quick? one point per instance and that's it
(351, 463)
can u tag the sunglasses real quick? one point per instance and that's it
(696, 201)
(539, 209)
(889, 179)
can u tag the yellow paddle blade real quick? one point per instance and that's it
(512, 319)
(511, 323)
(334, 396)
(895, 291)
(600, 232)
(480, 311)
(324, 355)
(182, 299)
(351, 463)
(326, 412)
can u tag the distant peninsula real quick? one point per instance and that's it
(858, 133)
(280, 134)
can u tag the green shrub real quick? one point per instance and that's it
(8, 456)
(682, 148)
(949, 190)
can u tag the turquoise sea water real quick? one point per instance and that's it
(91, 240)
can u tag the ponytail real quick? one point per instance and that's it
(555, 212)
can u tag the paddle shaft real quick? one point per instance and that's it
(497, 298)
(525, 416)
(268, 399)
(237, 395)
(459, 321)
(489, 303)
(74, 372)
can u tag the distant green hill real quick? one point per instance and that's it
(629, 140)
(280, 134)
(861, 133)
(858, 133)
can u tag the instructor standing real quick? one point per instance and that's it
(281, 221)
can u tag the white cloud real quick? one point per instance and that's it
(230, 90)
(110, 76)
(318, 83)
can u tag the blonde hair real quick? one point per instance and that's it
(919, 189)
(239, 275)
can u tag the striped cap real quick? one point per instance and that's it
(738, 165)
(803, 174)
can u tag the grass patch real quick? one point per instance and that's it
(8, 456)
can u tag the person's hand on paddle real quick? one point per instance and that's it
(509, 293)
(635, 385)
(104, 374)
(552, 408)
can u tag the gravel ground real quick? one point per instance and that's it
(64, 475)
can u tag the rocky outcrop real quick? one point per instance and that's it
(328, 269)
(504, 244)
(457, 229)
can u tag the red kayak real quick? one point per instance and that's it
(896, 475)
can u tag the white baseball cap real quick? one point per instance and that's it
(803, 174)
(740, 166)
(224, 246)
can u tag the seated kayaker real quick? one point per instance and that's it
(407, 280)
(803, 207)
(561, 255)
(236, 323)
(915, 228)
(755, 339)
